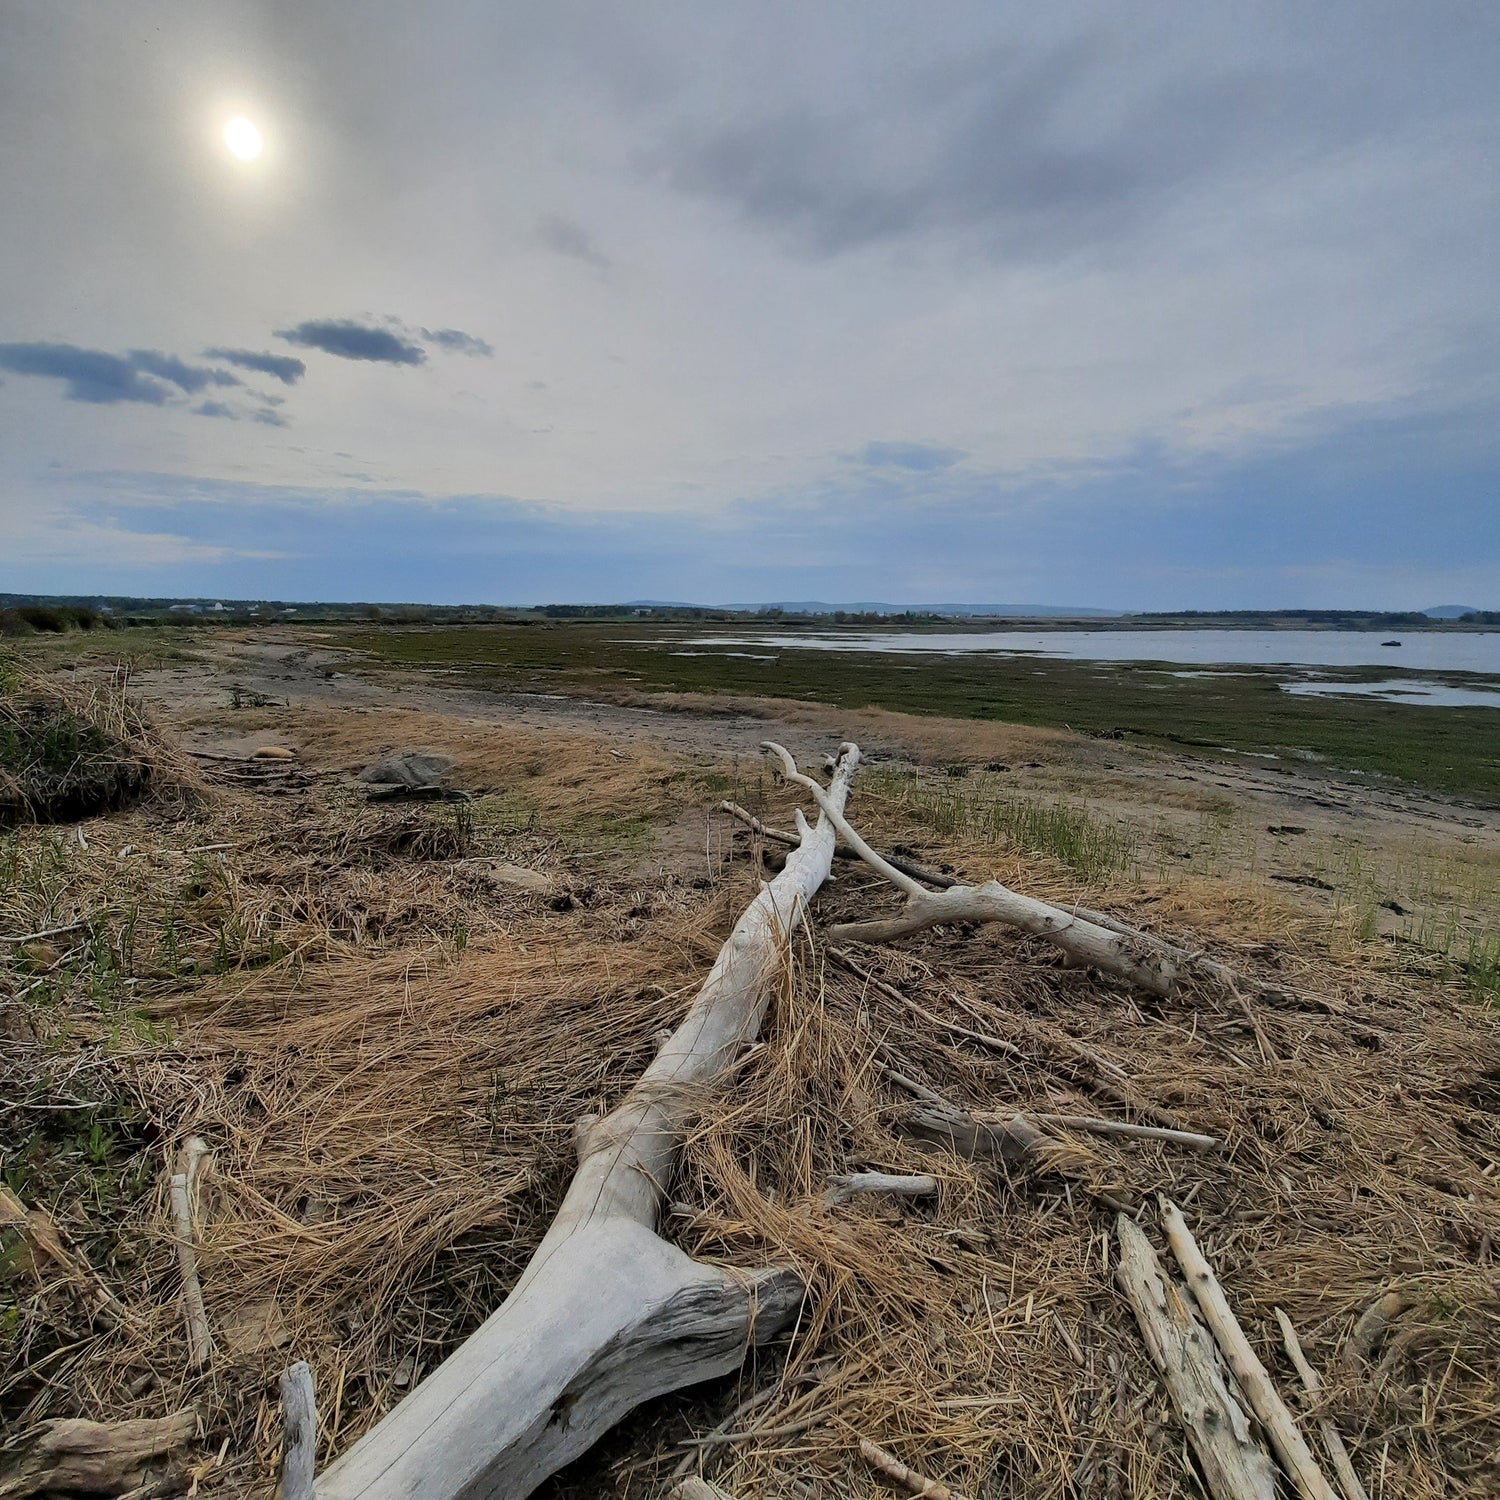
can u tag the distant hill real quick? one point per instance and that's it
(1450, 611)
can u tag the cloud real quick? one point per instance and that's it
(190, 378)
(102, 379)
(269, 417)
(564, 236)
(347, 339)
(456, 341)
(286, 368)
(917, 457)
(1036, 152)
(89, 375)
(216, 409)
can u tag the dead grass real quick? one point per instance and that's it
(388, 1065)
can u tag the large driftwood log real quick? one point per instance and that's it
(1107, 945)
(95, 1458)
(607, 1315)
(1286, 1437)
(1235, 1466)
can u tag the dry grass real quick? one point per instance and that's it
(388, 1063)
(71, 748)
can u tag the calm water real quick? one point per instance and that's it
(1427, 651)
(1402, 690)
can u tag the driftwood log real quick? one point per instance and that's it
(299, 1431)
(1280, 1425)
(183, 1196)
(94, 1458)
(1338, 1454)
(607, 1314)
(1234, 1464)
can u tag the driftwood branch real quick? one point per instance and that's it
(846, 1185)
(97, 1458)
(299, 1432)
(925, 873)
(182, 1191)
(1234, 1464)
(1127, 953)
(607, 1314)
(1338, 1454)
(1093, 1125)
(890, 1465)
(1281, 1427)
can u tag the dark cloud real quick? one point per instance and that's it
(456, 341)
(269, 417)
(347, 339)
(917, 457)
(88, 374)
(216, 409)
(190, 378)
(286, 368)
(564, 236)
(1035, 153)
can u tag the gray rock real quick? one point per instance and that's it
(409, 768)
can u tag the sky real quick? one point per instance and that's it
(1130, 307)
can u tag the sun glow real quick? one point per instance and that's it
(242, 138)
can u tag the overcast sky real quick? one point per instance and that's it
(1137, 306)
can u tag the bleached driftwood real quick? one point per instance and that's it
(1094, 1125)
(1281, 1427)
(299, 1432)
(908, 1478)
(924, 873)
(847, 1184)
(183, 1192)
(1338, 1454)
(607, 1314)
(97, 1458)
(1117, 949)
(1234, 1464)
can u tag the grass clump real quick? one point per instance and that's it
(71, 749)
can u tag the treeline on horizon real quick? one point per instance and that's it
(33, 614)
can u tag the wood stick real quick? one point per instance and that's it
(844, 1186)
(1281, 1427)
(299, 1432)
(1234, 1464)
(780, 836)
(181, 1193)
(1097, 1126)
(1338, 1454)
(889, 1464)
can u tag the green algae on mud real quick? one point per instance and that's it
(1244, 712)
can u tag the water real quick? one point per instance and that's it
(1403, 690)
(1426, 651)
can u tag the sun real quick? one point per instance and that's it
(242, 138)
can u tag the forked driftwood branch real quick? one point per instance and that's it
(607, 1314)
(1088, 940)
